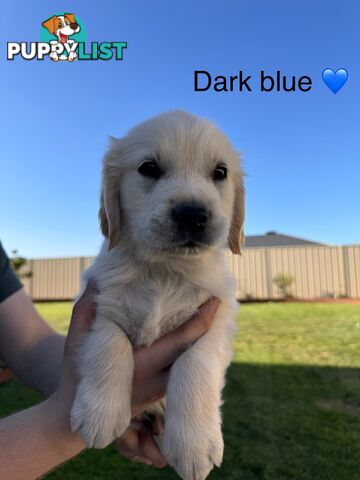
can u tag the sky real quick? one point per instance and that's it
(300, 149)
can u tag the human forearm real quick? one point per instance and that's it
(40, 367)
(36, 440)
(28, 345)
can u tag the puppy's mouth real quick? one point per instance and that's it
(167, 239)
(190, 246)
(186, 247)
(63, 38)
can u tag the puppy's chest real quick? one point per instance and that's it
(154, 308)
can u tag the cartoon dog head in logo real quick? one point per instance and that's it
(62, 26)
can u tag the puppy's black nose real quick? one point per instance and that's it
(74, 26)
(189, 217)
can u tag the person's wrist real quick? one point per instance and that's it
(61, 401)
(57, 408)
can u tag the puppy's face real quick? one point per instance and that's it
(174, 184)
(62, 26)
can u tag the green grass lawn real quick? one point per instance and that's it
(292, 400)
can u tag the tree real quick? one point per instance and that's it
(18, 263)
(283, 282)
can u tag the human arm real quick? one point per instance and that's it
(38, 439)
(28, 345)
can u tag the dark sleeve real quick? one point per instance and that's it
(9, 282)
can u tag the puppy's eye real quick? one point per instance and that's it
(150, 169)
(220, 173)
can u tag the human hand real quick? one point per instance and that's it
(83, 314)
(152, 365)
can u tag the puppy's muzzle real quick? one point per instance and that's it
(190, 218)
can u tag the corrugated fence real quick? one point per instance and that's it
(318, 272)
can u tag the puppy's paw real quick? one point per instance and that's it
(99, 418)
(72, 56)
(191, 450)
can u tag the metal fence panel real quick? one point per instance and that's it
(318, 272)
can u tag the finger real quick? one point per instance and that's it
(84, 310)
(158, 425)
(129, 443)
(82, 316)
(164, 352)
(150, 449)
(144, 460)
(149, 391)
(129, 446)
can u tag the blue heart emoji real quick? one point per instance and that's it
(335, 80)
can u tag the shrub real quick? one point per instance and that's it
(284, 282)
(18, 263)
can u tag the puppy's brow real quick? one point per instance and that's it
(155, 158)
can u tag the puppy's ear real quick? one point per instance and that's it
(70, 17)
(110, 211)
(236, 234)
(51, 24)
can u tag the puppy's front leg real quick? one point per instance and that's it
(102, 405)
(192, 440)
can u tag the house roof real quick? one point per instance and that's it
(274, 239)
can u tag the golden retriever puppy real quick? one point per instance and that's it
(172, 202)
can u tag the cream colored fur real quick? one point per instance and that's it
(147, 288)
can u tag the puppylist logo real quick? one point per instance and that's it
(62, 38)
